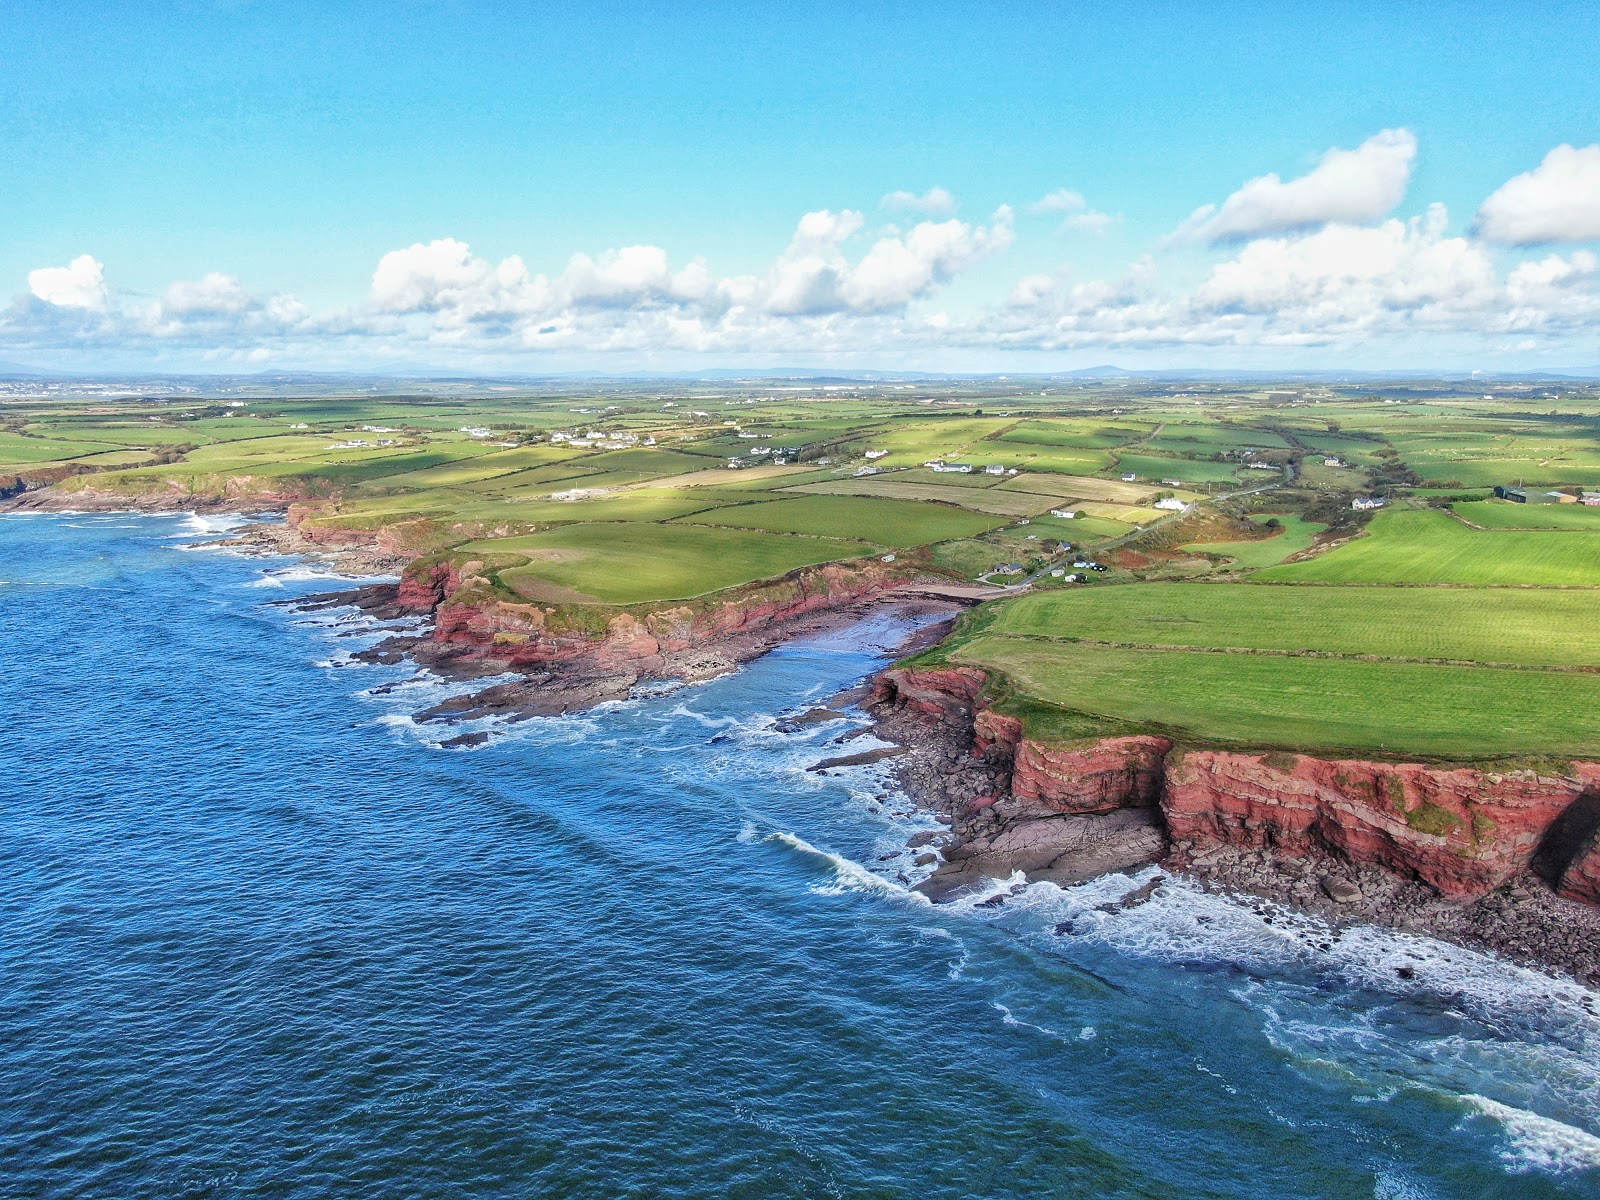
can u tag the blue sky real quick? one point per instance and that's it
(236, 173)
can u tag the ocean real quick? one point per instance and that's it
(262, 936)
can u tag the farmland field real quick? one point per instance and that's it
(985, 500)
(1189, 470)
(635, 563)
(1506, 514)
(1110, 491)
(896, 523)
(1296, 534)
(1427, 546)
(1083, 435)
(1500, 625)
(1313, 704)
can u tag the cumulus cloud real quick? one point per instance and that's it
(842, 287)
(1358, 185)
(814, 276)
(935, 202)
(1074, 211)
(445, 275)
(213, 294)
(1557, 201)
(79, 284)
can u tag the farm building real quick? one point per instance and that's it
(1362, 505)
(1522, 495)
(1066, 514)
(995, 469)
(1172, 504)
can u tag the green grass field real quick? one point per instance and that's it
(896, 523)
(1296, 534)
(637, 563)
(1428, 546)
(1499, 625)
(1505, 514)
(1188, 470)
(983, 500)
(1328, 705)
(1084, 435)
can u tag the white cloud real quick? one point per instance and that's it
(841, 289)
(79, 284)
(1357, 185)
(1557, 201)
(1074, 211)
(213, 294)
(814, 276)
(1345, 272)
(900, 269)
(935, 202)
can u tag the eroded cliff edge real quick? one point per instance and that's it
(1501, 856)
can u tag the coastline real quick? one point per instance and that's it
(942, 762)
(947, 767)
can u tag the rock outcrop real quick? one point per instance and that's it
(1463, 830)
(1069, 811)
(688, 639)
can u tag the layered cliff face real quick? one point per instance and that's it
(1462, 830)
(692, 638)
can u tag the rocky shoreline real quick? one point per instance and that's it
(1009, 805)
(1114, 816)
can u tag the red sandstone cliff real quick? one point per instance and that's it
(473, 620)
(1463, 830)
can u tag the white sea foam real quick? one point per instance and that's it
(221, 523)
(848, 875)
(1536, 1143)
(1391, 1184)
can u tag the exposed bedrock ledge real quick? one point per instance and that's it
(1464, 831)
(525, 636)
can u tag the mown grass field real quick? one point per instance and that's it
(1313, 704)
(1501, 625)
(1087, 435)
(1428, 546)
(637, 563)
(984, 500)
(1505, 514)
(1109, 491)
(1187, 470)
(895, 523)
(1294, 535)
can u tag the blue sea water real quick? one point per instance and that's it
(261, 937)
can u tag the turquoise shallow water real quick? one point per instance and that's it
(260, 937)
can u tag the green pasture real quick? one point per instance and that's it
(1211, 437)
(1294, 535)
(895, 523)
(1507, 514)
(1493, 625)
(634, 563)
(1312, 704)
(1429, 546)
(1085, 435)
(1188, 470)
(14, 448)
(984, 500)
